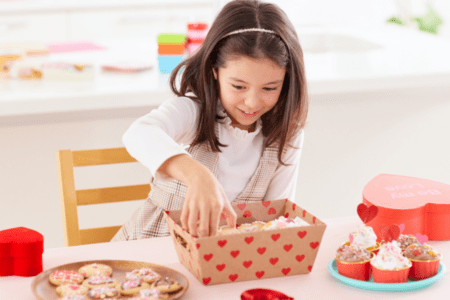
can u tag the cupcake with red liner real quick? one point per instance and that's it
(405, 240)
(366, 238)
(353, 262)
(425, 261)
(389, 265)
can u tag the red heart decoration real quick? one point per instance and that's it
(293, 206)
(21, 252)
(259, 274)
(275, 237)
(265, 203)
(198, 246)
(421, 238)
(233, 277)
(314, 245)
(304, 213)
(286, 215)
(249, 239)
(299, 258)
(301, 234)
(247, 214)
(206, 280)
(207, 257)
(412, 202)
(273, 260)
(287, 247)
(222, 243)
(247, 263)
(261, 250)
(310, 268)
(391, 233)
(286, 271)
(220, 267)
(235, 253)
(367, 214)
(241, 206)
(271, 211)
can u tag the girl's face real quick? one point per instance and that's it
(249, 88)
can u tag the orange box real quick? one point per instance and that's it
(253, 255)
(171, 49)
(417, 206)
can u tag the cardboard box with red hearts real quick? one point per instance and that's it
(253, 255)
(417, 206)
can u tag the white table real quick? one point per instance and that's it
(319, 284)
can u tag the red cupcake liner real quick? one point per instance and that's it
(390, 276)
(423, 269)
(354, 270)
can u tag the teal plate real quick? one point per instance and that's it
(387, 287)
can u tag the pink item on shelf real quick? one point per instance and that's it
(74, 47)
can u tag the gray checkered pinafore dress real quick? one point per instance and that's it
(148, 221)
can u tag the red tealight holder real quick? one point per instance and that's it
(21, 252)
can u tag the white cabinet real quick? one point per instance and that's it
(55, 21)
(31, 27)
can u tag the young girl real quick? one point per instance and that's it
(240, 107)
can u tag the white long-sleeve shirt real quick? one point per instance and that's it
(169, 129)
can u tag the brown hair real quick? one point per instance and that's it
(284, 121)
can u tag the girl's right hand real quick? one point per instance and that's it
(205, 201)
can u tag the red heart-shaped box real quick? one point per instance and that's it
(21, 252)
(422, 206)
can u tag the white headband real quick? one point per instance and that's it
(250, 30)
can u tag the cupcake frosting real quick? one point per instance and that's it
(390, 257)
(421, 252)
(407, 240)
(352, 253)
(364, 237)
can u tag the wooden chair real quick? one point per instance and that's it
(71, 198)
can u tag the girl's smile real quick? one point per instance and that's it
(249, 88)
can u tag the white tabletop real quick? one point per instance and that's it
(319, 284)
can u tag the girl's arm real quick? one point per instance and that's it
(284, 182)
(156, 140)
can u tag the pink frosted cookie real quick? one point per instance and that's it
(152, 294)
(74, 297)
(132, 287)
(251, 227)
(71, 289)
(95, 269)
(65, 277)
(143, 274)
(103, 292)
(99, 280)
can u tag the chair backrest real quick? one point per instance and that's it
(67, 160)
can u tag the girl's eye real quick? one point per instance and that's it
(269, 89)
(238, 87)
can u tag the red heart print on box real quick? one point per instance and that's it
(21, 252)
(421, 205)
(265, 203)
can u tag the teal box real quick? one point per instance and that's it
(167, 63)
